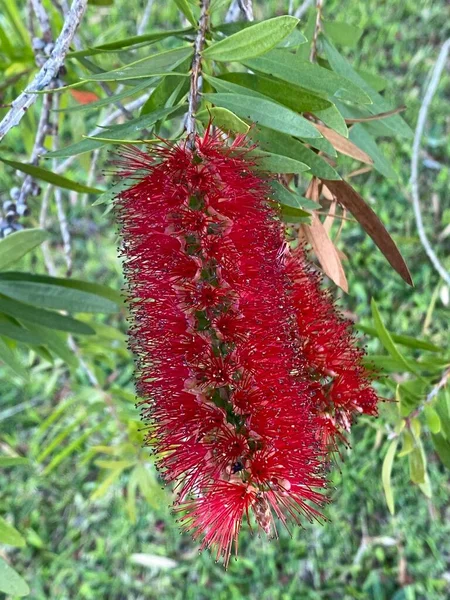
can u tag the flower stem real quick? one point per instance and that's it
(196, 69)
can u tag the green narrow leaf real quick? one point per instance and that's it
(13, 461)
(11, 582)
(289, 198)
(417, 464)
(285, 145)
(387, 341)
(15, 331)
(9, 535)
(96, 289)
(71, 448)
(151, 36)
(294, 97)
(114, 134)
(333, 119)
(287, 66)
(442, 447)
(432, 418)
(403, 340)
(224, 119)
(187, 11)
(166, 89)
(9, 358)
(54, 416)
(159, 64)
(442, 407)
(16, 19)
(266, 113)
(342, 33)
(56, 343)
(363, 139)
(58, 439)
(110, 100)
(252, 41)
(275, 163)
(386, 475)
(425, 487)
(19, 243)
(53, 178)
(45, 318)
(408, 444)
(378, 104)
(53, 296)
(109, 480)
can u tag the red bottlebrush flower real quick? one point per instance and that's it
(242, 360)
(329, 347)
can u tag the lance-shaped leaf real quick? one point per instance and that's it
(46, 318)
(378, 104)
(252, 41)
(285, 145)
(151, 36)
(49, 177)
(155, 64)
(367, 218)
(48, 295)
(344, 145)
(16, 245)
(10, 358)
(9, 535)
(109, 100)
(93, 289)
(294, 97)
(115, 134)
(265, 112)
(285, 65)
(365, 141)
(326, 252)
(11, 582)
(387, 341)
(224, 119)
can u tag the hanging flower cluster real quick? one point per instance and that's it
(246, 371)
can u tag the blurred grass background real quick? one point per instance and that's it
(80, 548)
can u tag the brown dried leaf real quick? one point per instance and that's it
(321, 243)
(344, 145)
(367, 218)
(360, 171)
(377, 117)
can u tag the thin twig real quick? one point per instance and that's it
(108, 91)
(62, 167)
(38, 147)
(145, 18)
(196, 83)
(317, 30)
(43, 18)
(432, 395)
(246, 7)
(239, 8)
(233, 13)
(414, 181)
(48, 71)
(48, 260)
(301, 10)
(62, 219)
